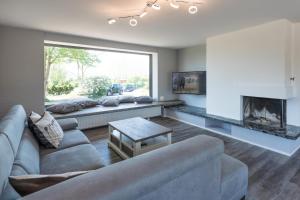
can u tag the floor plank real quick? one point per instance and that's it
(271, 176)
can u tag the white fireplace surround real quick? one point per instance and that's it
(259, 62)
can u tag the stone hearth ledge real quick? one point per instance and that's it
(291, 132)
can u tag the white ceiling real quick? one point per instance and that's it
(165, 28)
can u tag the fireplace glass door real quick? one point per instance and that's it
(264, 113)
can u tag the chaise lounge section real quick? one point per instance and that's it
(196, 168)
(21, 153)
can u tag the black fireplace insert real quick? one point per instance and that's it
(264, 114)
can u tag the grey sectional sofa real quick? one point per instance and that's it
(196, 168)
(20, 153)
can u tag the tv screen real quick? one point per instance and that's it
(189, 82)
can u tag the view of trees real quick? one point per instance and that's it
(97, 86)
(66, 75)
(81, 57)
(139, 82)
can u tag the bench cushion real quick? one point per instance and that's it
(234, 179)
(71, 138)
(78, 158)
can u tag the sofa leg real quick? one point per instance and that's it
(243, 198)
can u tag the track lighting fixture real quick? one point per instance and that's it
(173, 4)
(143, 14)
(154, 4)
(111, 21)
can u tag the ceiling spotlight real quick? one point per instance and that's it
(174, 5)
(193, 9)
(133, 22)
(111, 21)
(143, 14)
(156, 6)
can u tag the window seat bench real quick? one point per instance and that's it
(100, 116)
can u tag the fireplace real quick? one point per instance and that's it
(264, 114)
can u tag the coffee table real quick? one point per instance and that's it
(135, 136)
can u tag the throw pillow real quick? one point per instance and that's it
(105, 98)
(126, 99)
(110, 102)
(143, 99)
(27, 184)
(64, 108)
(86, 103)
(32, 119)
(49, 133)
(35, 117)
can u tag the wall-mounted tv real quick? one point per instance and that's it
(189, 82)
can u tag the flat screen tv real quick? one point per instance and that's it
(189, 82)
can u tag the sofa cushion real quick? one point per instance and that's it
(78, 158)
(10, 193)
(28, 156)
(6, 161)
(68, 124)
(71, 138)
(234, 179)
(12, 125)
(18, 170)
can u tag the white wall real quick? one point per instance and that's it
(22, 68)
(192, 59)
(293, 104)
(250, 62)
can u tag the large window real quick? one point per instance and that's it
(72, 73)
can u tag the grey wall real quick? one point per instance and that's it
(21, 65)
(21, 69)
(167, 59)
(192, 59)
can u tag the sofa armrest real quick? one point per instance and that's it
(68, 124)
(186, 170)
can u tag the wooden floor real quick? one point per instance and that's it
(272, 176)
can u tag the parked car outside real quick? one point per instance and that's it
(129, 88)
(115, 88)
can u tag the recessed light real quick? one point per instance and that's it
(143, 14)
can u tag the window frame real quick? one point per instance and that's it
(150, 56)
